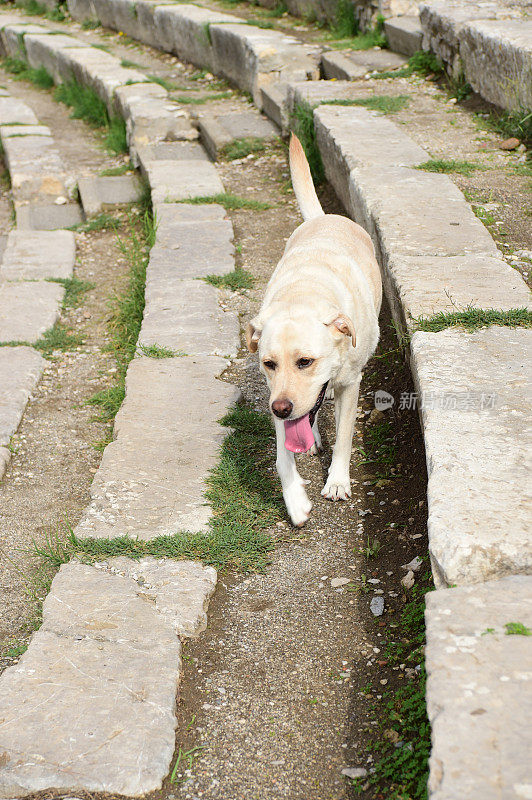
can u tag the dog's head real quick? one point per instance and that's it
(298, 354)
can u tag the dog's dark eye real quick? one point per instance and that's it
(270, 364)
(304, 362)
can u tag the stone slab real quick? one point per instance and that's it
(219, 130)
(38, 255)
(171, 151)
(14, 112)
(181, 180)
(177, 253)
(186, 316)
(478, 440)
(170, 218)
(152, 477)
(352, 65)
(274, 104)
(156, 119)
(28, 309)
(479, 699)
(427, 285)
(96, 690)
(254, 57)
(127, 96)
(35, 167)
(181, 590)
(404, 34)
(48, 216)
(20, 371)
(100, 192)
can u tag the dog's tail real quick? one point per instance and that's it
(302, 181)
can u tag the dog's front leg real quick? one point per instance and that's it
(295, 497)
(338, 486)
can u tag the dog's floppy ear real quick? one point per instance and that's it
(343, 324)
(253, 332)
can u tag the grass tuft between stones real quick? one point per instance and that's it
(386, 104)
(244, 499)
(22, 71)
(229, 201)
(302, 123)
(236, 280)
(474, 318)
(86, 105)
(449, 166)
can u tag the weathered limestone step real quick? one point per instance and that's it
(96, 689)
(182, 312)
(488, 42)
(436, 255)
(101, 192)
(28, 309)
(20, 371)
(152, 477)
(219, 130)
(478, 691)
(250, 57)
(477, 391)
(274, 104)
(38, 255)
(171, 181)
(14, 112)
(171, 151)
(351, 65)
(34, 165)
(316, 92)
(48, 216)
(404, 34)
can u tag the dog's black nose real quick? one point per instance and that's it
(282, 408)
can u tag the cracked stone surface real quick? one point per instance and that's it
(38, 255)
(96, 689)
(478, 691)
(152, 477)
(478, 439)
(181, 180)
(98, 192)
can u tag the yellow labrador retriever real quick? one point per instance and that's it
(316, 329)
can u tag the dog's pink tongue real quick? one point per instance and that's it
(298, 435)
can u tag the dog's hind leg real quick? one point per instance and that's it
(295, 497)
(338, 485)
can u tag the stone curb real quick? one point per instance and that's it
(98, 631)
(29, 303)
(490, 44)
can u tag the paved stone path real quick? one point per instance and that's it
(421, 225)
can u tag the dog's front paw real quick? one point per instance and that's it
(297, 504)
(337, 488)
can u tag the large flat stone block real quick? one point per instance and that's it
(20, 371)
(100, 192)
(184, 30)
(96, 692)
(477, 393)
(478, 691)
(28, 309)
(219, 130)
(152, 477)
(35, 167)
(404, 34)
(182, 180)
(351, 65)
(38, 255)
(178, 254)
(14, 112)
(47, 216)
(186, 316)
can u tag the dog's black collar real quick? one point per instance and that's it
(313, 411)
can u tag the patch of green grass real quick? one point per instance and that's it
(116, 137)
(103, 222)
(345, 21)
(128, 311)
(278, 9)
(244, 499)
(57, 338)
(516, 123)
(386, 104)
(240, 148)
(229, 201)
(474, 318)
(33, 8)
(522, 169)
(373, 37)
(158, 351)
(90, 24)
(260, 23)
(401, 773)
(421, 63)
(125, 62)
(236, 281)
(184, 99)
(114, 171)
(74, 290)
(517, 629)
(84, 102)
(21, 70)
(15, 651)
(302, 123)
(446, 166)
(170, 86)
